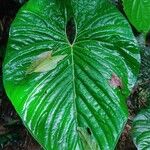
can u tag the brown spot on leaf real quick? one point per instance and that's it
(88, 142)
(115, 81)
(88, 130)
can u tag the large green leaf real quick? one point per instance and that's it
(141, 130)
(138, 12)
(79, 101)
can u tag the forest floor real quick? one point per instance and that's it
(13, 134)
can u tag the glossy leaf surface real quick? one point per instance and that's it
(79, 101)
(138, 12)
(141, 130)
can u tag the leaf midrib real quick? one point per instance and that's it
(74, 87)
(73, 74)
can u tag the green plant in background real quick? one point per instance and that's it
(68, 70)
(144, 78)
(141, 123)
(138, 12)
(141, 130)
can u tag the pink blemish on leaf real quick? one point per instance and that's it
(115, 81)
